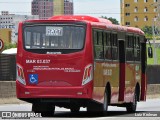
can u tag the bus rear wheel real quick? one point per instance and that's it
(45, 109)
(105, 103)
(75, 109)
(99, 108)
(131, 107)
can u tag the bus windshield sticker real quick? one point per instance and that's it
(54, 31)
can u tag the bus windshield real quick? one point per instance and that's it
(54, 37)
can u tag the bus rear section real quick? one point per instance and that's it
(53, 67)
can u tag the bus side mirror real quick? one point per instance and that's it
(150, 52)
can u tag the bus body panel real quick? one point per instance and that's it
(106, 72)
(55, 72)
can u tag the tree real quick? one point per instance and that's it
(113, 20)
(148, 31)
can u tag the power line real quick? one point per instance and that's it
(14, 2)
(75, 12)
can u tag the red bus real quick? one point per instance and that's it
(80, 61)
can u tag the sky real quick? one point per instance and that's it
(98, 8)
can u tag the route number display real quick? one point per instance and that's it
(54, 31)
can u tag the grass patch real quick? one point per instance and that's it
(150, 61)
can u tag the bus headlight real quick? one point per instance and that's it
(88, 74)
(20, 75)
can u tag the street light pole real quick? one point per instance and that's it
(154, 41)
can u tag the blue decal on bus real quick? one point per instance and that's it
(33, 78)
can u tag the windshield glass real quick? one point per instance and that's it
(54, 37)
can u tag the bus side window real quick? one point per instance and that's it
(98, 45)
(137, 48)
(114, 47)
(107, 46)
(129, 48)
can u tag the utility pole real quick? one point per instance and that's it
(154, 41)
(156, 29)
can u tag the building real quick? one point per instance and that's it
(63, 7)
(11, 21)
(43, 8)
(47, 8)
(68, 7)
(58, 7)
(138, 13)
(5, 35)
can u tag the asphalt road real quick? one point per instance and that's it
(144, 109)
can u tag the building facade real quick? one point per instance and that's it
(47, 8)
(5, 35)
(138, 13)
(11, 21)
(43, 8)
(58, 7)
(63, 7)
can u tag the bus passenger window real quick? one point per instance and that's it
(130, 48)
(114, 47)
(107, 46)
(137, 48)
(98, 45)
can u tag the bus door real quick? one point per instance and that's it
(143, 66)
(122, 69)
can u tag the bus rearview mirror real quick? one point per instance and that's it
(150, 52)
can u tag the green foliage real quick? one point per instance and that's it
(9, 45)
(148, 32)
(113, 20)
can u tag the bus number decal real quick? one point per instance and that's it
(54, 31)
(107, 72)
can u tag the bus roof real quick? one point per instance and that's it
(95, 22)
(98, 22)
(81, 18)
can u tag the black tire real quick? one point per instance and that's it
(94, 107)
(105, 103)
(99, 108)
(75, 109)
(131, 107)
(46, 110)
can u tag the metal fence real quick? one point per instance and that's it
(8, 70)
(7, 67)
